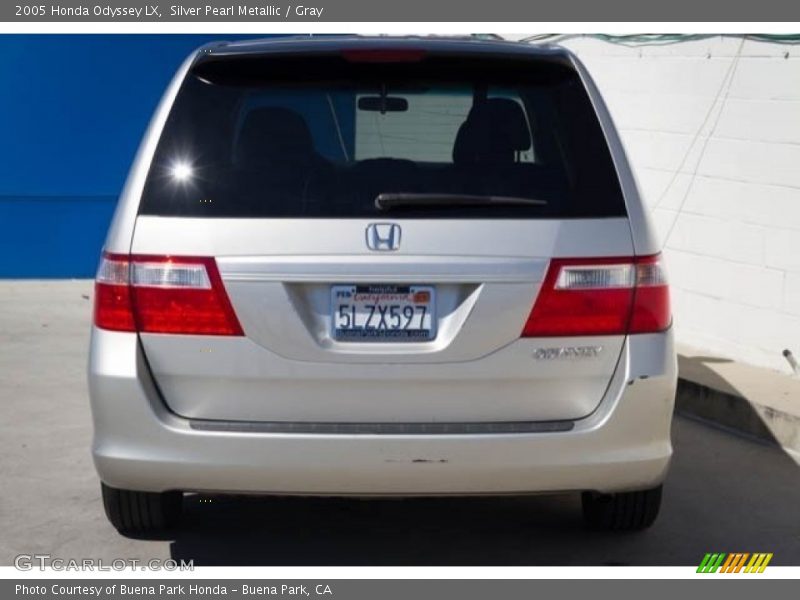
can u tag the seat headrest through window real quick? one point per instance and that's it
(495, 131)
(274, 134)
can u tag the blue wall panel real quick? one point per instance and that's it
(52, 236)
(72, 111)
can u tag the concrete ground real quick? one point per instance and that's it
(725, 493)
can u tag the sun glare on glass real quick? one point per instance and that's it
(181, 171)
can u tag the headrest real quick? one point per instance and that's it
(495, 130)
(274, 134)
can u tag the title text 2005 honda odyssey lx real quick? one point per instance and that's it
(354, 266)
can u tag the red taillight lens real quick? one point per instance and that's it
(162, 294)
(607, 296)
(651, 308)
(112, 294)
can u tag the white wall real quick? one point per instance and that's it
(712, 128)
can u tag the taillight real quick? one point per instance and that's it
(601, 296)
(112, 294)
(651, 309)
(163, 294)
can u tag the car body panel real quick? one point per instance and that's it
(278, 274)
(140, 444)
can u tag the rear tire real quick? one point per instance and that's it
(141, 512)
(625, 511)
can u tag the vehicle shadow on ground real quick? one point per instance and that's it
(220, 530)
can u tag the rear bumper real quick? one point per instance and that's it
(140, 445)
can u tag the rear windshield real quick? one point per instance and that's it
(323, 137)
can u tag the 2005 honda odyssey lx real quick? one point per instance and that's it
(354, 266)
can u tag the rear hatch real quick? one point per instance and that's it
(381, 223)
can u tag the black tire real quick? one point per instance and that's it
(141, 512)
(626, 511)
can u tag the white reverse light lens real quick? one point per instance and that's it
(650, 274)
(595, 277)
(112, 272)
(181, 171)
(170, 275)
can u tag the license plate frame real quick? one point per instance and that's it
(388, 321)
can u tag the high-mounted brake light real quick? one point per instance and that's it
(604, 296)
(163, 294)
(367, 55)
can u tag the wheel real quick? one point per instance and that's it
(141, 512)
(626, 511)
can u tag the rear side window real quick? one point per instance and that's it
(321, 137)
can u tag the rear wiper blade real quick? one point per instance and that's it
(388, 201)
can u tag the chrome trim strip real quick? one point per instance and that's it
(414, 269)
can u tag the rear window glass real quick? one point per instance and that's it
(323, 138)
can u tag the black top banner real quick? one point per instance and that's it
(211, 11)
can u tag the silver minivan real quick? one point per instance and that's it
(381, 267)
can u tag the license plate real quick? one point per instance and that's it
(378, 313)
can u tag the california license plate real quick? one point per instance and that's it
(377, 313)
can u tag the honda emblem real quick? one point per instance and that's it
(383, 237)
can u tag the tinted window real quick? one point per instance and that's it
(323, 137)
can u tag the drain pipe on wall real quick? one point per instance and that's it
(787, 354)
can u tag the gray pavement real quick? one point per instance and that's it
(724, 493)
